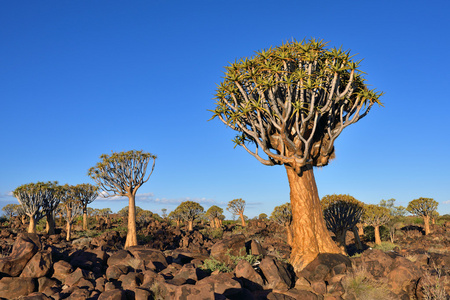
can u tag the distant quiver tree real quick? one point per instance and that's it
(376, 216)
(283, 215)
(122, 174)
(189, 211)
(213, 214)
(425, 208)
(86, 193)
(237, 207)
(289, 104)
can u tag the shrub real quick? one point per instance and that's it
(385, 246)
(369, 233)
(362, 287)
(212, 264)
(245, 256)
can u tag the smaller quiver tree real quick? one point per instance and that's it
(376, 216)
(72, 206)
(213, 214)
(32, 197)
(176, 216)
(10, 210)
(190, 211)
(342, 213)
(423, 207)
(237, 207)
(283, 215)
(86, 194)
(51, 202)
(105, 214)
(122, 174)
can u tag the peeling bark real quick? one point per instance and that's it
(131, 235)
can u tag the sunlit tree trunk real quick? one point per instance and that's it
(377, 235)
(190, 225)
(360, 229)
(311, 236)
(23, 219)
(241, 215)
(178, 223)
(217, 222)
(357, 239)
(68, 224)
(85, 219)
(32, 225)
(426, 221)
(132, 234)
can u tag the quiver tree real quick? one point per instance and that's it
(123, 174)
(176, 216)
(86, 194)
(288, 105)
(68, 196)
(376, 216)
(105, 213)
(423, 207)
(50, 204)
(33, 197)
(342, 213)
(190, 211)
(237, 207)
(164, 213)
(10, 210)
(213, 214)
(283, 215)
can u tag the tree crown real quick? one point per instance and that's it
(189, 210)
(375, 215)
(293, 101)
(236, 206)
(422, 207)
(341, 212)
(282, 214)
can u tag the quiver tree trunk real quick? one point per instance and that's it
(178, 223)
(85, 219)
(310, 233)
(241, 215)
(377, 235)
(360, 227)
(340, 239)
(217, 222)
(23, 219)
(32, 225)
(69, 224)
(190, 225)
(131, 235)
(426, 221)
(50, 226)
(357, 239)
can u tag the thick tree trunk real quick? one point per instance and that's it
(340, 239)
(360, 228)
(426, 221)
(23, 219)
(217, 222)
(131, 235)
(50, 226)
(377, 235)
(357, 239)
(190, 225)
(32, 226)
(178, 223)
(85, 224)
(311, 236)
(289, 234)
(68, 224)
(241, 215)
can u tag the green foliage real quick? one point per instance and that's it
(37, 198)
(122, 173)
(291, 97)
(341, 212)
(236, 206)
(212, 233)
(212, 264)
(214, 212)
(10, 210)
(385, 246)
(396, 211)
(189, 210)
(369, 233)
(243, 256)
(422, 207)
(375, 215)
(282, 214)
(361, 285)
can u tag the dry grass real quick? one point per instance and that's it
(433, 286)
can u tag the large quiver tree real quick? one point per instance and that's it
(122, 174)
(288, 105)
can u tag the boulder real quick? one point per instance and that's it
(25, 247)
(222, 284)
(249, 277)
(114, 294)
(276, 274)
(131, 280)
(193, 292)
(38, 266)
(233, 245)
(14, 287)
(151, 258)
(325, 266)
(36, 296)
(73, 278)
(187, 275)
(93, 260)
(61, 269)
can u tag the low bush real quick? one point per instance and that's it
(362, 287)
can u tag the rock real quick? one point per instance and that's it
(115, 271)
(100, 284)
(25, 247)
(131, 280)
(149, 277)
(115, 294)
(319, 287)
(45, 282)
(324, 266)
(233, 245)
(302, 284)
(222, 284)
(142, 294)
(250, 278)
(276, 274)
(82, 243)
(150, 257)
(61, 270)
(124, 257)
(78, 293)
(73, 278)
(36, 296)
(93, 260)
(256, 248)
(377, 262)
(14, 287)
(38, 266)
(187, 275)
(193, 292)
(403, 275)
(293, 294)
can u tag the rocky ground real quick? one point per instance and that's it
(236, 263)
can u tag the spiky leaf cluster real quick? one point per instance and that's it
(122, 173)
(293, 101)
(176, 215)
(282, 214)
(86, 193)
(341, 212)
(422, 207)
(10, 210)
(37, 198)
(189, 210)
(69, 198)
(375, 215)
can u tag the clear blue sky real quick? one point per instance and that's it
(82, 78)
